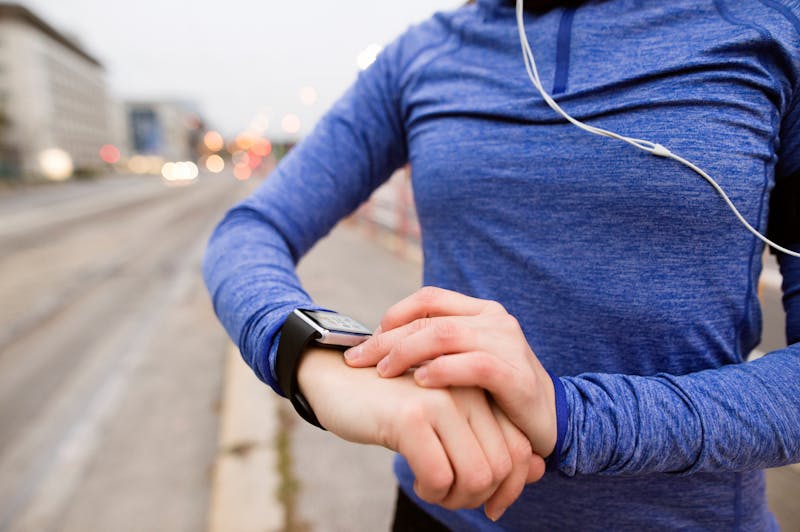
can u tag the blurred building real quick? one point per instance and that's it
(53, 94)
(171, 130)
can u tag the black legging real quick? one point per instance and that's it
(408, 517)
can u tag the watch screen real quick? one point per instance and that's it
(337, 322)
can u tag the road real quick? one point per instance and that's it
(111, 363)
(110, 356)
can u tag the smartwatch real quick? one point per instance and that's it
(311, 327)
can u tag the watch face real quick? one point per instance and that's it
(336, 322)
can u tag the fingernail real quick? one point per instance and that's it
(421, 374)
(383, 365)
(497, 514)
(353, 354)
(377, 331)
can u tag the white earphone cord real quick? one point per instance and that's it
(644, 145)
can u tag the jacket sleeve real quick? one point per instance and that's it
(249, 265)
(738, 417)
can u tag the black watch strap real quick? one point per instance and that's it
(296, 334)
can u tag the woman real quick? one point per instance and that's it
(622, 273)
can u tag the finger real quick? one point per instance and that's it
(428, 460)
(522, 458)
(473, 474)
(439, 336)
(474, 368)
(516, 390)
(494, 442)
(431, 301)
(378, 345)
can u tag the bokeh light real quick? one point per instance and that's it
(154, 164)
(168, 171)
(109, 154)
(213, 141)
(56, 164)
(180, 171)
(242, 172)
(145, 164)
(290, 123)
(308, 95)
(215, 163)
(138, 164)
(262, 147)
(245, 140)
(367, 56)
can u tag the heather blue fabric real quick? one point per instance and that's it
(630, 277)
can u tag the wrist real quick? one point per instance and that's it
(317, 366)
(346, 400)
(319, 372)
(301, 329)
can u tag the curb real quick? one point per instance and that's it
(245, 481)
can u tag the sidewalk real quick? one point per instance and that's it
(296, 476)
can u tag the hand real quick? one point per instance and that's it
(484, 346)
(462, 452)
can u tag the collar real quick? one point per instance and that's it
(530, 5)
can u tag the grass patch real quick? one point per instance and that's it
(289, 486)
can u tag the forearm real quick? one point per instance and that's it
(735, 418)
(249, 271)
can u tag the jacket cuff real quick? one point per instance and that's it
(553, 462)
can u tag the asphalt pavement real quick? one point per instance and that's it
(110, 357)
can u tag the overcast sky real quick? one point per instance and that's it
(235, 58)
